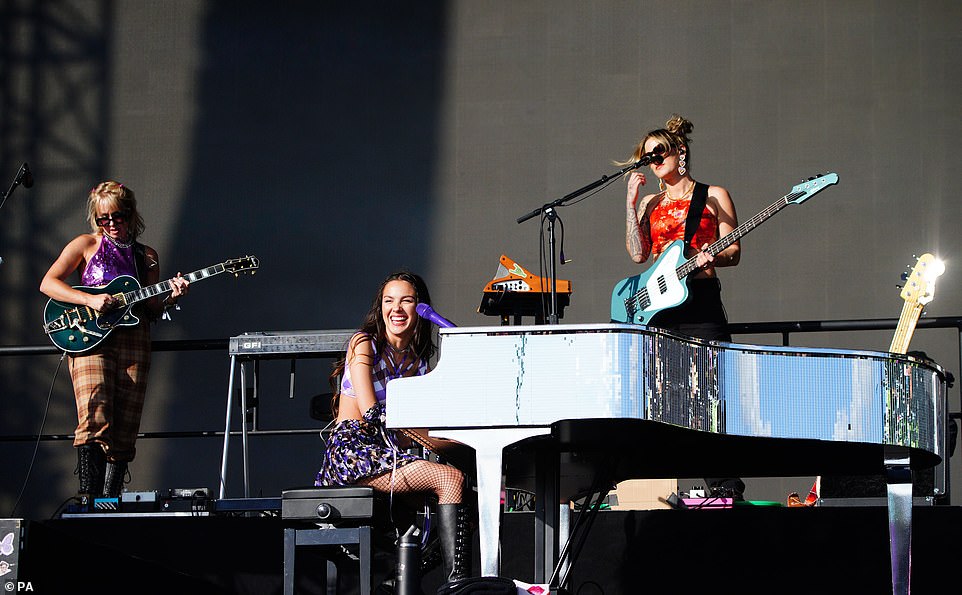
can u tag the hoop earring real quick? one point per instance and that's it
(681, 164)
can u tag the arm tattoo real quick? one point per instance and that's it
(633, 239)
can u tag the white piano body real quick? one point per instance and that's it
(647, 403)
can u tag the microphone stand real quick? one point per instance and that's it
(16, 182)
(551, 214)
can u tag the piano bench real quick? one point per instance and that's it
(330, 516)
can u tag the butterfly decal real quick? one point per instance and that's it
(6, 546)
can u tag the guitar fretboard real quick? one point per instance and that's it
(150, 291)
(690, 265)
(906, 327)
(640, 300)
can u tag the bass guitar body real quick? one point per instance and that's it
(657, 289)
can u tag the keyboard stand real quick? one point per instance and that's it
(254, 346)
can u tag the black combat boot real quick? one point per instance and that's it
(114, 479)
(91, 464)
(455, 541)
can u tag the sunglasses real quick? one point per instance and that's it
(657, 154)
(117, 217)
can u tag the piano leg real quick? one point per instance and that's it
(899, 486)
(488, 445)
(547, 517)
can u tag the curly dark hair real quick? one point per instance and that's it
(373, 326)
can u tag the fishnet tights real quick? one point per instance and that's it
(443, 481)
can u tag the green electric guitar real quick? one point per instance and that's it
(76, 328)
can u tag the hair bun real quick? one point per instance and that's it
(678, 125)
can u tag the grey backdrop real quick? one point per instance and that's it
(341, 141)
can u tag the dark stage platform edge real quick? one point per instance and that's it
(741, 550)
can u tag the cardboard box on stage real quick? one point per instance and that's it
(642, 494)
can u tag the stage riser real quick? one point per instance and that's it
(771, 548)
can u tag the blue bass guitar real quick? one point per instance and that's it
(637, 299)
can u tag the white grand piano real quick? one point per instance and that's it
(599, 403)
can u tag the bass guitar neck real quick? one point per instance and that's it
(919, 290)
(639, 298)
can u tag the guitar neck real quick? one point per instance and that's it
(132, 297)
(906, 327)
(690, 265)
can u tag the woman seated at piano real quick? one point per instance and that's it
(658, 219)
(393, 342)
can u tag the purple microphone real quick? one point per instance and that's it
(426, 311)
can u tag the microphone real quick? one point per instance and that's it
(24, 177)
(426, 311)
(649, 158)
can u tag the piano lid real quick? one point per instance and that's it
(542, 375)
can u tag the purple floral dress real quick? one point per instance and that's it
(360, 448)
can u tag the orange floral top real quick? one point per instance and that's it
(666, 223)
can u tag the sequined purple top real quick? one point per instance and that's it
(109, 262)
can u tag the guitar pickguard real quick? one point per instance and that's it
(637, 299)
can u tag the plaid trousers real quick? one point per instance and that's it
(109, 386)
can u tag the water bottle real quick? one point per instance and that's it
(408, 579)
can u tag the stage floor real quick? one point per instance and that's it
(743, 550)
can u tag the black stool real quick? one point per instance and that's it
(341, 515)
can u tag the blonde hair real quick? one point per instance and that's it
(674, 136)
(115, 197)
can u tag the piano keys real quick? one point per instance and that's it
(634, 401)
(516, 292)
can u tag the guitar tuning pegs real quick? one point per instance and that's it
(904, 276)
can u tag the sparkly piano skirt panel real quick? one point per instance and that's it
(360, 448)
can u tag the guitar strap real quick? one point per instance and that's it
(696, 207)
(140, 260)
